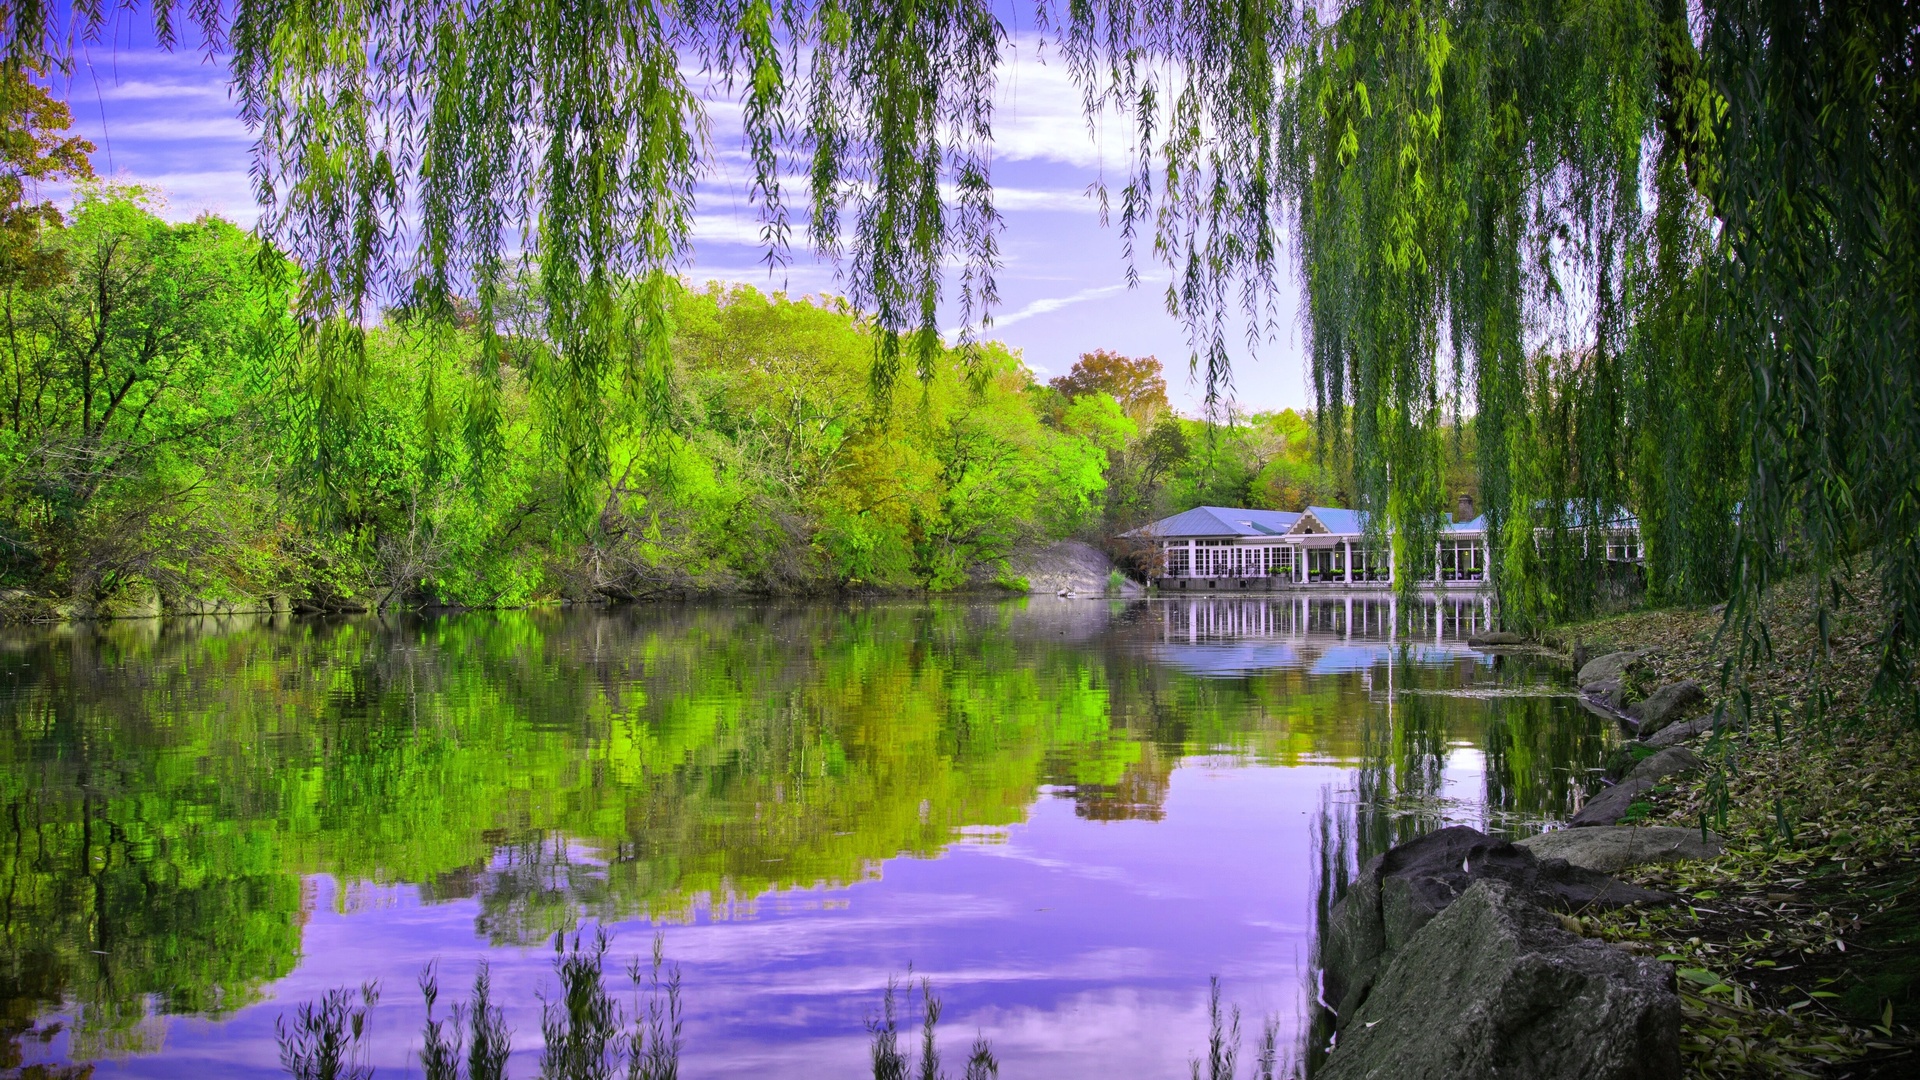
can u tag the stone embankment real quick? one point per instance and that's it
(1069, 566)
(1457, 954)
(20, 606)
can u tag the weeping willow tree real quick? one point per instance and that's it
(1664, 252)
(1659, 251)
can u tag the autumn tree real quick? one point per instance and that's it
(1135, 382)
(34, 149)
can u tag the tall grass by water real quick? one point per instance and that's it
(590, 1034)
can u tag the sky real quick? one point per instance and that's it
(166, 120)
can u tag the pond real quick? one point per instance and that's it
(1066, 815)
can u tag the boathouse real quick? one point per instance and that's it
(1225, 547)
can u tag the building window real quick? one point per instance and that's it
(1177, 565)
(1462, 560)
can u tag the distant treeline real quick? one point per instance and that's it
(166, 434)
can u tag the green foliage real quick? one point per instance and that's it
(127, 414)
(164, 432)
(1659, 251)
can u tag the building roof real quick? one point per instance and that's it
(1221, 521)
(1339, 522)
(1233, 521)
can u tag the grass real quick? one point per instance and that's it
(1799, 950)
(327, 1039)
(589, 1035)
(586, 1033)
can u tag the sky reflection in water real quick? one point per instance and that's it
(1067, 814)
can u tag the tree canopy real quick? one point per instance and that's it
(1660, 252)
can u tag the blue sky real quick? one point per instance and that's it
(166, 120)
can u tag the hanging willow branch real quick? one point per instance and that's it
(1662, 253)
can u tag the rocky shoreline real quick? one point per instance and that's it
(1457, 954)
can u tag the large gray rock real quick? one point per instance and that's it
(1610, 849)
(1675, 734)
(1400, 891)
(1609, 694)
(1664, 706)
(1497, 639)
(1494, 987)
(1609, 805)
(1612, 666)
(1670, 762)
(1070, 566)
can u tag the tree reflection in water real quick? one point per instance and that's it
(172, 791)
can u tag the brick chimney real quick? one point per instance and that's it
(1463, 511)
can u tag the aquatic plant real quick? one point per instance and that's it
(1223, 1043)
(581, 1028)
(890, 1063)
(487, 1037)
(1223, 1038)
(489, 1043)
(439, 1039)
(327, 1040)
(653, 1050)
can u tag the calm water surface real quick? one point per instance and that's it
(1069, 814)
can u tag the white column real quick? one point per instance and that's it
(1436, 563)
(1349, 627)
(1390, 562)
(1348, 562)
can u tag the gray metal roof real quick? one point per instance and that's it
(1220, 521)
(1233, 521)
(1341, 522)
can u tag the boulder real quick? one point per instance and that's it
(137, 600)
(1672, 761)
(1609, 849)
(1664, 706)
(1494, 987)
(1609, 805)
(1608, 694)
(1398, 892)
(1675, 734)
(1071, 566)
(1496, 639)
(1612, 666)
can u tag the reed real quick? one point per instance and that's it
(581, 1028)
(490, 1042)
(327, 1040)
(439, 1039)
(654, 1044)
(890, 1063)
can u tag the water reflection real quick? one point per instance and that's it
(1071, 813)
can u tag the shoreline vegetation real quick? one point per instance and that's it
(169, 445)
(1798, 949)
(587, 1033)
